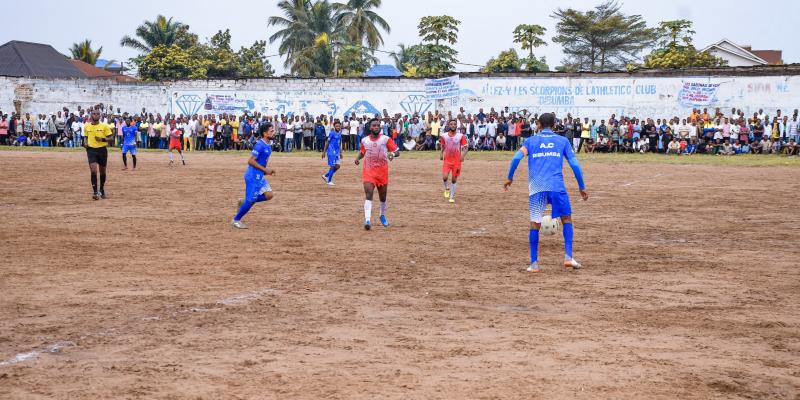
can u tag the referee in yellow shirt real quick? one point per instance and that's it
(98, 136)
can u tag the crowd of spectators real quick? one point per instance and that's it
(700, 132)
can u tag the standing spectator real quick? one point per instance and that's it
(308, 133)
(77, 131)
(52, 131)
(4, 130)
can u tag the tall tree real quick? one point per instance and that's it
(432, 57)
(83, 51)
(529, 37)
(601, 39)
(161, 31)
(253, 62)
(676, 49)
(403, 56)
(223, 62)
(439, 28)
(359, 23)
(305, 34)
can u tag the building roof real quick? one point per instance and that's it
(103, 63)
(383, 70)
(27, 59)
(773, 57)
(742, 51)
(92, 71)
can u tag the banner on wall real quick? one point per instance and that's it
(698, 93)
(442, 88)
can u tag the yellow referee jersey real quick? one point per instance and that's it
(92, 132)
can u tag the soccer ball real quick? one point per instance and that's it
(549, 225)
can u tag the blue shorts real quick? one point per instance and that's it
(254, 187)
(559, 201)
(126, 148)
(209, 142)
(333, 159)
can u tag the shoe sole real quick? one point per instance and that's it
(367, 227)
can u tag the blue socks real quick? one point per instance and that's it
(246, 206)
(568, 232)
(330, 173)
(533, 240)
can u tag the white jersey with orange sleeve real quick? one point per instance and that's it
(376, 161)
(452, 146)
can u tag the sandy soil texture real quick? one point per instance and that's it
(691, 286)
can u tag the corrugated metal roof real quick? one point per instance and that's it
(35, 60)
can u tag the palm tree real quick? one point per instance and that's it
(359, 23)
(83, 51)
(152, 34)
(305, 36)
(405, 55)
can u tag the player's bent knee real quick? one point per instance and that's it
(567, 219)
(269, 195)
(536, 225)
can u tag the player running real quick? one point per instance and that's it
(545, 152)
(129, 132)
(377, 150)
(257, 188)
(98, 136)
(175, 143)
(333, 150)
(453, 150)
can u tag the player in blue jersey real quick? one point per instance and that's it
(546, 152)
(333, 150)
(257, 188)
(129, 132)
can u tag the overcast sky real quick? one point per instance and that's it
(486, 25)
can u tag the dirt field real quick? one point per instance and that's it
(691, 286)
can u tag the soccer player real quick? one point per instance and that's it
(377, 150)
(98, 136)
(129, 132)
(453, 150)
(545, 153)
(257, 188)
(175, 143)
(333, 150)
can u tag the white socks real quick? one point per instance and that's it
(383, 208)
(453, 191)
(446, 185)
(367, 209)
(170, 156)
(182, 157)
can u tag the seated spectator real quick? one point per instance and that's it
(409, 143)
(691, 147)
(643, 145)
(488, 143)
(791, 148)
(602, 145)
(727, 149)
(776, 147)
(746, 148)
(501, 142)
(683, 143)
(22, 140)
(674, 147)
(737, 147)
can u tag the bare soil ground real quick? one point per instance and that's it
(691, 286)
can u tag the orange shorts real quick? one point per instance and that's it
(453, 168)
(175, 145)
(376, 177)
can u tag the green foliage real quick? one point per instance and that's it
(253, 62)
(355, 60)
(533, 64)
(403, 57)
(439, 28)
(161, 31)
(677, 50)
(506, 61)
(83, 51)
(433, 59)
(359, 24)
(601, 39)
(529, 37)
(305, 34)
(172, 62)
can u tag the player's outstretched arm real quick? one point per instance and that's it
(513, 168)
(576, 169)
(253, 163)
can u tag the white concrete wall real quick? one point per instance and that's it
(593, 97)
